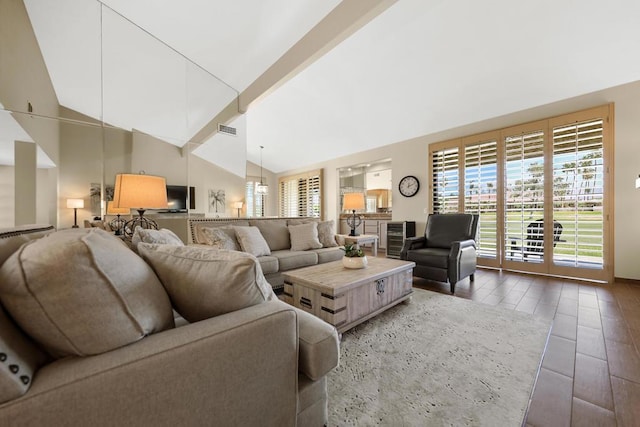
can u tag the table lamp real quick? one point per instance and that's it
(117, 224)
(75, 204)
(238, 205)
(140, 192)
(353, 202)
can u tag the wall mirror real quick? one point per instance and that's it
(104, 97)
(373, 180)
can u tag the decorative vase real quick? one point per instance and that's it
(354, 262)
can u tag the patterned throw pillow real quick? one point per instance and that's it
(221, 238)
(304, 236)
(327, 234)
(163, 236)
(251, 241)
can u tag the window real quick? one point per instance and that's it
(301, 195)
(541, 189)
(255, 202)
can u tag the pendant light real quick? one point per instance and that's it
(262, 189)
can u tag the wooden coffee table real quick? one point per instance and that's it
(345, 297)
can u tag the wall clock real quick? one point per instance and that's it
(409, 186)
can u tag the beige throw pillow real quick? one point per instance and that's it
(327, 234)
(163, 236)
(221, 238)
(251, 241)
(304, 236)
(83, 292)
(204, 282)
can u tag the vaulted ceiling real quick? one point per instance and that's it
(414, 68)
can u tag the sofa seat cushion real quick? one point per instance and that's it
(290, 260)
(269, 264)
(274, 231)
(434, 257)
(207, 282)
(328, 254)
(83, 292)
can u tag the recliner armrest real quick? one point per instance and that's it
(411, 243)
(461, 244)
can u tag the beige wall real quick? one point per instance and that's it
(24, 79)
(410, 158)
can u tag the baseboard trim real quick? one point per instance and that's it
(625, 280)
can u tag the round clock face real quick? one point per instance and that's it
(409, 186)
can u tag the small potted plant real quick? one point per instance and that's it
(354, 257)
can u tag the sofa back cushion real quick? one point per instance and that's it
(12, 238)
(274, 231)
(443, 229)
(83, 292)
(205, 282)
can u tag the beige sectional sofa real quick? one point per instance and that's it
(276, 232)
(87, 337)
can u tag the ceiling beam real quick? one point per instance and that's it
(344, 20)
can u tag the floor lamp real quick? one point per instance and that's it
(353, 202)
(75, 204)
(141, 192)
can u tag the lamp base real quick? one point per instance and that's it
(75, 226)
(353, 233)
(139, 221)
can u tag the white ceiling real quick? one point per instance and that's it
(426, 66)
(421, 67)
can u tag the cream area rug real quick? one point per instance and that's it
(437, 361)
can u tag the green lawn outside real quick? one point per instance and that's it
(589, 224)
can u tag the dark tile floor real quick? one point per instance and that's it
(590, 373)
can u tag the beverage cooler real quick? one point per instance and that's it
(397, 232)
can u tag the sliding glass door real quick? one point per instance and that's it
(541, 190)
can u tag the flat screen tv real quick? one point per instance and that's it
(177, 198)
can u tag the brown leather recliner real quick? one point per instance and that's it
(447, 251)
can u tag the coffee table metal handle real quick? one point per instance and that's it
(306, 302)
(380, 283)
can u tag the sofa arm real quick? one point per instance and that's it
(225, 370)
(319, 345)
(411, 243)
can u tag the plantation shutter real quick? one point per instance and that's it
(254, 202)
(480, 193)
(445, 180)
(578, 196)
(301, 195)
(524, 192)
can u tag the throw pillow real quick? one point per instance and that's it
(221, 238)
(83, 292)
(274, 231)
(163, 236)
(251, 241)
(204, 282)
(327, 234)
(304, 236)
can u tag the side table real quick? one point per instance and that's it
(361, 240)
